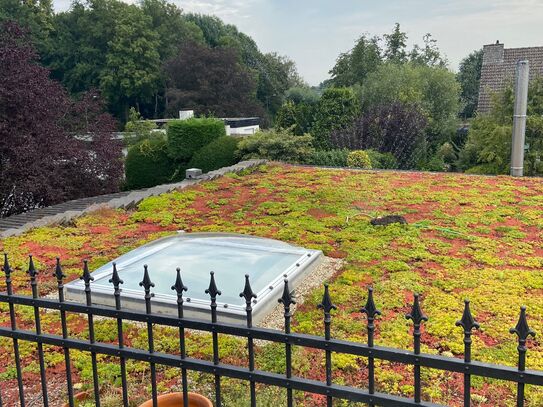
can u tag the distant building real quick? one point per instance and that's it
(499, 64)
(234, 126)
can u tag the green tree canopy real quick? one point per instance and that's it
(354, 66)
(488, 147)
(434, 89)
(36, 16)
(173, 29)
(395, 50)
(337, 109)
(469, 76)
(130, 74)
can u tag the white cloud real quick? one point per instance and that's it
(225, 9)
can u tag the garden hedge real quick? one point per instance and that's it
(185, 137)
(217, 154)
(148, 164)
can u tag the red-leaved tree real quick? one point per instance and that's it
(52, 148)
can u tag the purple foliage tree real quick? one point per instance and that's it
(396, 128)
(52, 148)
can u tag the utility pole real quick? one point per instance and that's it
(519, 118)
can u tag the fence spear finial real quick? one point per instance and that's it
(32, 272)
(86, 277)
(58, 271)
(6, 267)
(247, 292)
(146, 283)
(370, 309)
(416, 314)
(179, 287)
(522, 330)
(212, 290)
(326, 304)
(467, 322)
(115, 279)
(286, 299)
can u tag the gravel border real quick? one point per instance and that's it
(324, 271)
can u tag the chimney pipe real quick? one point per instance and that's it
(519, 118)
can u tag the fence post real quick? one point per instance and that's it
(213, 292)
(33, 273)
(522, 330)
(417, 317)
(179, 287)
(116, 281)
(60, 283)
(371, 311)
(147, 284)
(327, 306)
(468, 323)
(287, 300)
(249, 295)
(13, 320)
(87, 278)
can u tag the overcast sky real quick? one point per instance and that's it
(314, 32)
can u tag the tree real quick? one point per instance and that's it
(212, 81)
(395, 50)
(434, 89)
(428, 55)
(130, 75)
(81, 37)
(302, 94)
(172, 28)
(337, 108)
(136, 129)
(276, 74)
(396, 128)
(488, 147)
(354, 66)
(35, 16)
(469, 76)
(51, 148)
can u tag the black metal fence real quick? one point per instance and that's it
(330, 390)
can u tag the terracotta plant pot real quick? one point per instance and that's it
(176, 400)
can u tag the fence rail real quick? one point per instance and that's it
(326, 343)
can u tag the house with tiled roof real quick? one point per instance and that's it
(498, 70)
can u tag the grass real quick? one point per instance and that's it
(467, 237)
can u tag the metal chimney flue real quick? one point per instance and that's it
(519, 118)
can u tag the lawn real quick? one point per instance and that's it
(467, 237)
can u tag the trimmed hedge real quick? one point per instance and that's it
(148, 164)
(277, 145)
(217, 154)
(331, 158)
(185, 137)
(385, 161)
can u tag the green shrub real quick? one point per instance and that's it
(217, 154)
(148, 164)
(279, 145)
(331, 158)
(137, 129)
(382, 160)
(359, 159)
(185, 137)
